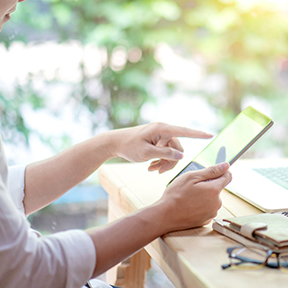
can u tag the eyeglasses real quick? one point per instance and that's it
(242, 257)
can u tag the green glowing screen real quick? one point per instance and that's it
(232, 141)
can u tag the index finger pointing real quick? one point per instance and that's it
(179, 131)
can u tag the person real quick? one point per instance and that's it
(70, 258)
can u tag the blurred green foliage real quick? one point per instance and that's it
(247, 45)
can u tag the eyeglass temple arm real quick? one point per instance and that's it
(225, 266)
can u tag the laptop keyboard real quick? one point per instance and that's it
(278, 175)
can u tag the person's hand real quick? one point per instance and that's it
(155, 140)
(193, 199)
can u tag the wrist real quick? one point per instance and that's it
(110, 144)
(118, 145)
(158, 218)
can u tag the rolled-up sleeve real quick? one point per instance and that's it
(79, 254)
(16, 181)
(62, 260)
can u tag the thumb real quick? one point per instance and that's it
(212, 172)
(167, 153)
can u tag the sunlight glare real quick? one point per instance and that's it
(272, 5)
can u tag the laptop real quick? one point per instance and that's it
(262, 183)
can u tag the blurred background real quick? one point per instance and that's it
(73, 69)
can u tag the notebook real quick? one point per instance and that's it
(264, 184)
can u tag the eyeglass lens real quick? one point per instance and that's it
(248, 256)
(253, 257)
(283, 261)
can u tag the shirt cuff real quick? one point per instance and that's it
(16, 186)
(80, 256)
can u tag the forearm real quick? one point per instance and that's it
(122, 238)
(47, 180)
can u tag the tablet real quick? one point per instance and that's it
(232, 141)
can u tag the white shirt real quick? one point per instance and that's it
(65, 260)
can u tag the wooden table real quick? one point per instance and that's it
(190, 258)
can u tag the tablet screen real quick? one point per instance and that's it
(232, 141)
